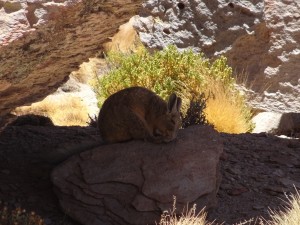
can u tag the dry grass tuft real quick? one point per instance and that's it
(226, 110)
(126, 40)
(188, 217)
(62, 110)
(290, 215)
(88, 70)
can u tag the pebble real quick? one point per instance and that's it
(278, 172)
(275, 190)
(4, 188)
(234, 171)
(225, 186)
(32, 199)
(13, 186)
(5, 171)
(237, 191)
(258, 207)
(289, 183)
(47, 221)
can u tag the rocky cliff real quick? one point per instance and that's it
(19, 17)
(259, 37)
(42, 56)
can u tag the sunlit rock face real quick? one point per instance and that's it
(260, 39)
(19, 17)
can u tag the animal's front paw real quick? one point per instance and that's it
(155, 139)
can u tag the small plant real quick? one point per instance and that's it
(10, 6)
(93, 121)
(186, 73)
(18, 216)
(195, 114)
(290, 215)
(188, 217)
(164, 72)
(227, 111)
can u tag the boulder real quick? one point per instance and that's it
(259, 37)
(266, 122)
(134, 182)
(277, 123)
(289, 124)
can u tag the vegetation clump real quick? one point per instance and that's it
(195, 113)
(62, 110)
(290, 215)
(18, 216)
(186, 73)
(187, 217)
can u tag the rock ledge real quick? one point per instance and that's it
(133, 182)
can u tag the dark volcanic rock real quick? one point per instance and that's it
(33, 120)
(259, 168)
(133, 182)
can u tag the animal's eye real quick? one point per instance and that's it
(157, 133)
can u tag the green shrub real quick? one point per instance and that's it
(11, 7)
(186, 73)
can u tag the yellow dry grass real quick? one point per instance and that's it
(63, 111)
(226, 112)
(188, 217)
(290, 215)
(88, 70)
(126, 40)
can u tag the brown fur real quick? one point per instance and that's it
(138, 113)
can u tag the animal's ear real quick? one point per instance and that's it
(174, 103)
(179, 103)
